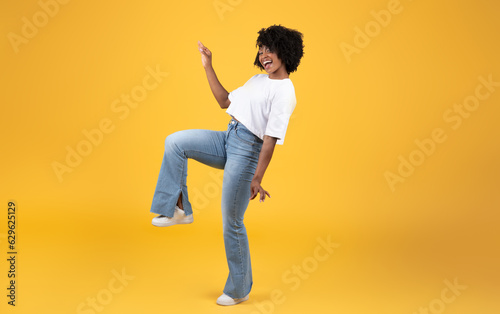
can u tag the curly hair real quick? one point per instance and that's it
(285, 42)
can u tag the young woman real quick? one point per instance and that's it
(260, 111)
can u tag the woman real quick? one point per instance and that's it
(260, 111)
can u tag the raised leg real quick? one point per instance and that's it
(205, 146)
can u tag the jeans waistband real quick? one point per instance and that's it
(235, 123)
(238, 125)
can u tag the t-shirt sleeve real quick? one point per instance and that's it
(236, 92)
(233, 93)
(282, 106)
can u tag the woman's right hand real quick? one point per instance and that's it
(206, 55)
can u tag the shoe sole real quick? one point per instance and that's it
(179, 222)
(234, 302)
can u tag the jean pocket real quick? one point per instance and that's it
(247, 136)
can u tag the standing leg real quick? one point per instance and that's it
(205, 146)
(242, 158)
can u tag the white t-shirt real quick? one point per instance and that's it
(264, 105)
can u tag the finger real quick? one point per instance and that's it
(200, 44)
(268, 194)
(254, 194)
(262, 195)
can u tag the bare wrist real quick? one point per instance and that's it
(258, 179)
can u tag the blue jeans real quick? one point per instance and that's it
(235, 150)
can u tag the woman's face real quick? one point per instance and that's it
(270, 61)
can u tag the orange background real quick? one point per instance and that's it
(358, 115)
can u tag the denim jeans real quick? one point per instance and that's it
(235, 150)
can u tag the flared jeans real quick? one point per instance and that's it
(235, 150)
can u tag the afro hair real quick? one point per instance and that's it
(285, 42)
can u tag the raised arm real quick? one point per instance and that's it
(220, 93)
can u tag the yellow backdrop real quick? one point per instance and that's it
(384, 197)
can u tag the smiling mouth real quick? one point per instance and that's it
(267, 64)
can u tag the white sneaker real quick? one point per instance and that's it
(224, 299)
(179, 218)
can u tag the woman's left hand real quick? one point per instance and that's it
(256, 188)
